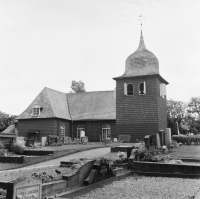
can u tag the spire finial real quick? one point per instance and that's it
(140, 19)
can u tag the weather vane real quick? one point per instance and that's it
(140, 19)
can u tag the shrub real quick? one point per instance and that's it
(186, 138)
(1, 145)
(17, 148)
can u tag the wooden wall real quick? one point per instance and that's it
(93, 129)
(139, 115)
(46, 126)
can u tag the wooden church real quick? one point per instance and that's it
(137, 107)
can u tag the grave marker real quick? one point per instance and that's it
(27, 187)
(162, 137)
(147, 141)
(101, 171)
(167, 136)
(157, 140)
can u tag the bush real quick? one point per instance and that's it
(186, 138)
(17, 148)
(1, 145)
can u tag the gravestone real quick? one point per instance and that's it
(84, 139)
(27, 188)
(157, 140)
(124, 138)
(67, 140)
(101, 170)
(162, 137)
(177, 128)
(147, 141)
(167, 136)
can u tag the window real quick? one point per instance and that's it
(128, 89)
(36, 111)
(106, 132)
(163, 90)
(79, 129)
(62, 131)
(142, 88)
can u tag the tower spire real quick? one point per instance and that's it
(140, 19)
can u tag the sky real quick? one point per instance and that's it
(49, 43)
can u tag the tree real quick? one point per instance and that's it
(77, 87)
(175, 113)
(194, 106)
(6, 120)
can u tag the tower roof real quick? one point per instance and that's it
(141, 62)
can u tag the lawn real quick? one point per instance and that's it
(186, 151)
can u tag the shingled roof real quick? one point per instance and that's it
(99, 105)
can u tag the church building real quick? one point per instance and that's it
(137, 107)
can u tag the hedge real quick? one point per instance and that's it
(186, 138)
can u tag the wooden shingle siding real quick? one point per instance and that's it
(140, 115)
(45, 126)
(93, 129)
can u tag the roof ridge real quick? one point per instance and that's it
(45, 89)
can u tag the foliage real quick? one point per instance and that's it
(77, 87)
(152, 155)
(6, 120)
(17, 148)
(1, 145)
(194, 106)
(186, 138)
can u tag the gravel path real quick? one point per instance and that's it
(147, 188)
(93, 153)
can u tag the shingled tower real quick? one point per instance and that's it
(140, 96)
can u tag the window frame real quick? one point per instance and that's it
(79, 129)
(144, 90)
(35, 111)
(62, 128)
(128, 89)
(106, 129)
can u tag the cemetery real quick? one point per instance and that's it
(151, 157)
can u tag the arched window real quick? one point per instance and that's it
(79, 129)
(36, 111)
(142, 88)
(106, 132)
(62, 131)
(129, 89)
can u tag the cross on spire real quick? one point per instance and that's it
(140, 19)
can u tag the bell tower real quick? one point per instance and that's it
(140, 95)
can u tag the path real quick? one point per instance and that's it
(93, 153)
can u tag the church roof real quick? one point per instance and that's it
(97, 105)
(141, 62)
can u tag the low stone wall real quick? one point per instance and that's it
(69, 181)
(163, 168)
(13, 159)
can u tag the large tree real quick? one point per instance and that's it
(194, 106)
(77, 87)
(6, 120)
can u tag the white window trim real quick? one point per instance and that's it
(107, 129)
(127, 89)
(33, 115)
(62, 128)
(144, 88)
(79, 129)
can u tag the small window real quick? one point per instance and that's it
(36, 110)
(163, 90)
(142, 88)
(129, 89)
(79, 129)
(106, 132)
(62, 131)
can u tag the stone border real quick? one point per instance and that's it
(83, 190)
